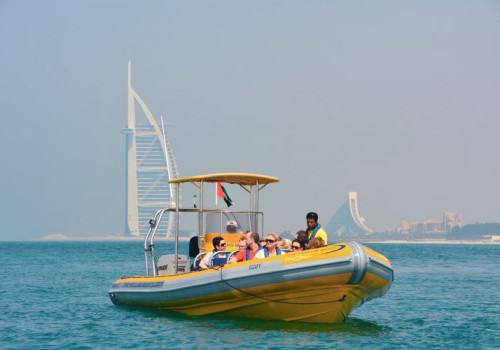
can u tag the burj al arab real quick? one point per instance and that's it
(150, 164)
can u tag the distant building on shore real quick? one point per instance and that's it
(347, 220)
(150, 164)
(448, 222)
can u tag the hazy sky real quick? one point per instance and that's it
(397, 100)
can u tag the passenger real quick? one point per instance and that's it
(219, 244)
(302, 236)
(242, 245)
(314, 229)
(262, 243)
(231, 227)
(298, 245)
(316, 242)
(252, 247)
(285, 244)
(271, 248)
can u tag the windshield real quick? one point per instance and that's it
(233, 222)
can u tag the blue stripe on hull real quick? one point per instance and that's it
(235, 279)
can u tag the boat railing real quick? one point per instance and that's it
(219, 258)
(197, 260)
(254, 218)
(149, 241)
(231, 255)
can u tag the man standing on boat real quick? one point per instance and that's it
(252, 248)
(314, 229)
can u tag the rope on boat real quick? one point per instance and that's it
(277, 301)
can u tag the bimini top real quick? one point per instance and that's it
(231, 178)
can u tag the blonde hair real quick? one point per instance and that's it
(316, 242)
(274, 235)
(286, 243)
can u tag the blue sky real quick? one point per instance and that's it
(398, 101)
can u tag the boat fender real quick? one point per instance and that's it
(360, 261)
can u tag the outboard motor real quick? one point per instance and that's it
(166, 264)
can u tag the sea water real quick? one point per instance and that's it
(53, 295)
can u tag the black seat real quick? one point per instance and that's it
(194, 250)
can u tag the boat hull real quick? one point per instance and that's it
(321, 285)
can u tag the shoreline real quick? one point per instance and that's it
(112, 238)
(433, 241)
(64, 238)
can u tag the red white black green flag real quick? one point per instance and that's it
(221, 192)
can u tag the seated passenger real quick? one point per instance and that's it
(219, 244)
(252, 239)
(303, 236)
(298, 245)
(285, 244)
(271, 248)
(262, 243)
(231, 227)
(242, 245)
(316, 242)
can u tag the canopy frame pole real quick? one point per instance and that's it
(252, 215)
(201, 234)
(177, 195)
(257, 205)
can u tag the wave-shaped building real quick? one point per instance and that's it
(347, 220)
(150, 164)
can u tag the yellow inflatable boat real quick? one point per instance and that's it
(318, 285)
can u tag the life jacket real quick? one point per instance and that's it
(318, 226)
(247, 255)
(219, 259)
(266, 252)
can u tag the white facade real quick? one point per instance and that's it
(150, 164)
(347, 220)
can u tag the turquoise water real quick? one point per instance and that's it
(54, 296)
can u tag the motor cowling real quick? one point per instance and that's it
(166, 264)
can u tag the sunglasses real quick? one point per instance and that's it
(222, 245)
(295, 246)
(270, 241)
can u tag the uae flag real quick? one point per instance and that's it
(221, 192)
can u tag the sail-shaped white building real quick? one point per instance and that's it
(150, 164)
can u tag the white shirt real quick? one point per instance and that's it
(206, 258)
(260, 254)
